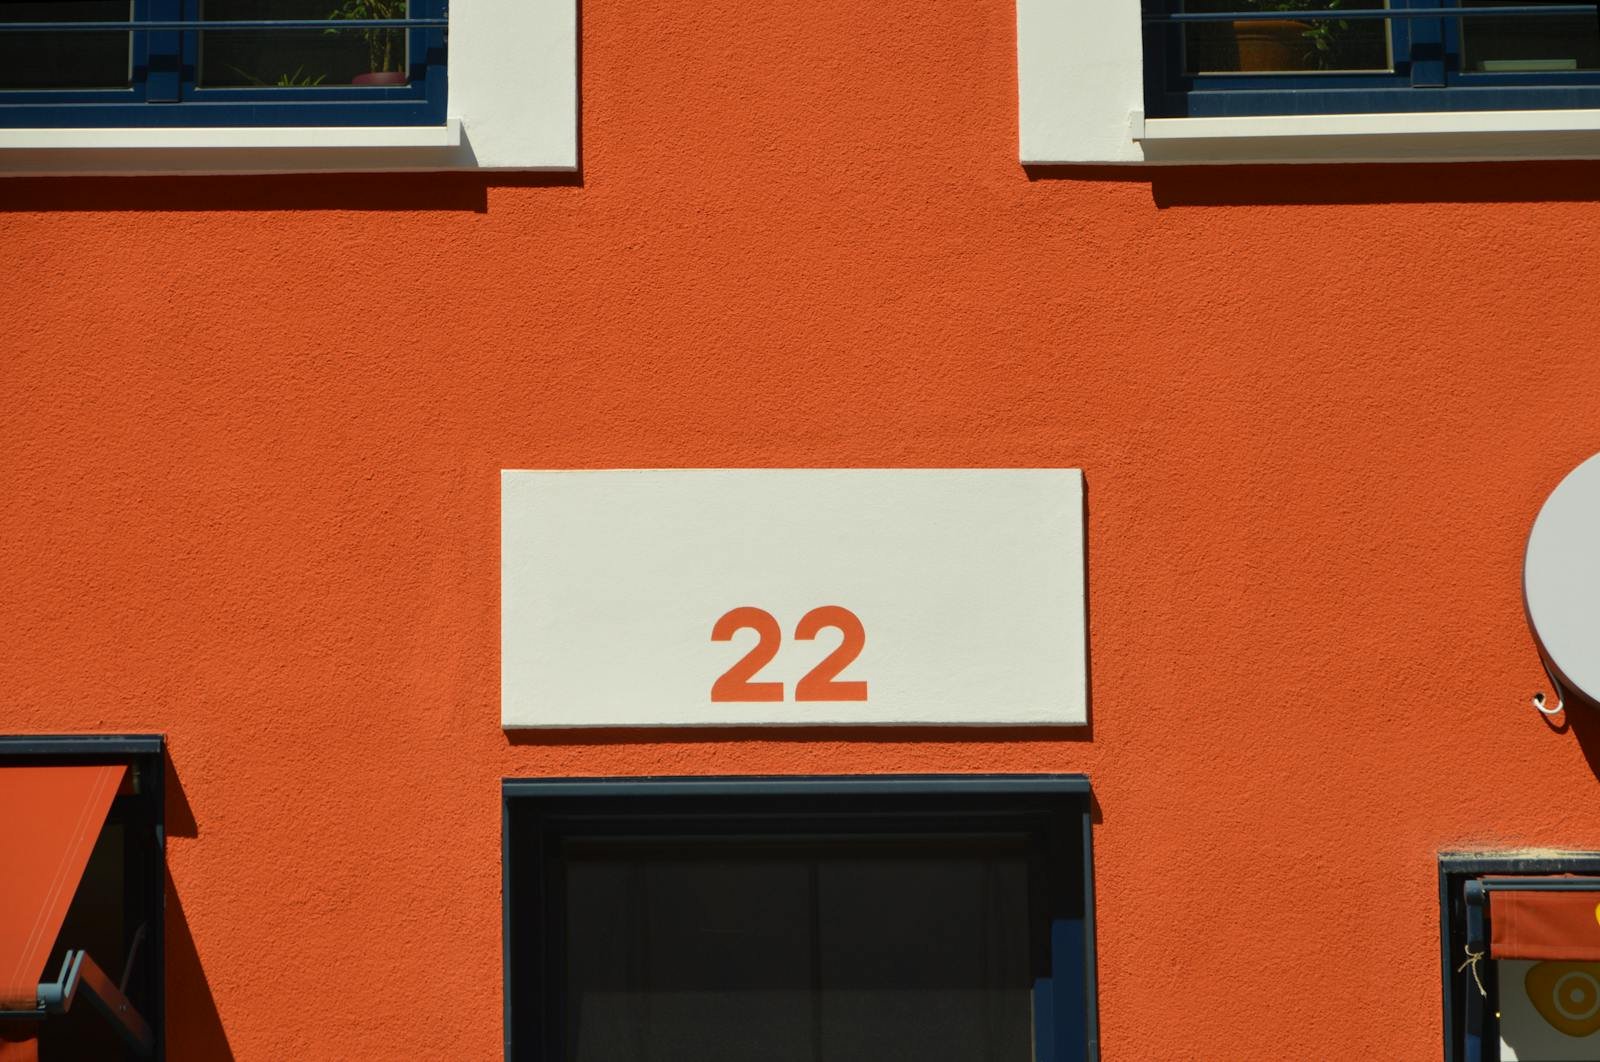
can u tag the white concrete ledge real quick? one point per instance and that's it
(159, 152)
(233, 139)
(1440, 136)
(1403, 123)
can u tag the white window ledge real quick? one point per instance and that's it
(1432, 136)
(399, 136)
(513, 98)
(1080, 78)
(311, 149)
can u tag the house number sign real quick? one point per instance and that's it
(792, 597)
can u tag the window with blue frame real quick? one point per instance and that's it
(1215, 58)
(87, 63)
(1519, 945)
(827, 919)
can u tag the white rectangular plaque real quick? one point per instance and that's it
(798, 596)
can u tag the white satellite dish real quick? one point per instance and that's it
(1561, 582)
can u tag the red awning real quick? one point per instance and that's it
(52, 817)
(1545, 924)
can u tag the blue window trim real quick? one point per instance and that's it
(1471, 1028)
(164, 92)
(1053, 811)
(1427, 76)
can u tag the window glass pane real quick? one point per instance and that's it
(83, 59)
(924, 959)
(97, 923)
(1532, 43)
(845, 953)
(1287, 44)
(302, 58)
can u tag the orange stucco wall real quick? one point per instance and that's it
(253, 426)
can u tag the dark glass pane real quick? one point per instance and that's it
(71, 60)
(97, 923)
(850, 952)
(1287, 44)
(302, 58)
(1508, 45)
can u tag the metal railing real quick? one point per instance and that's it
(1377, 13)
(170, 25)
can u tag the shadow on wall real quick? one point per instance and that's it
(891, 735)
(882, 735)
(1582, 718)
(1311, 184)
(342, 191)
(194, 1028)
(1175, 186)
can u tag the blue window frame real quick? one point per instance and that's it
(165, 85)
(1435, 55)
(824, 918)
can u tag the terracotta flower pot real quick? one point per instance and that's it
(382, 77)
(1271, 44)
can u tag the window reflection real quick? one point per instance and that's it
(73, 59)
(303, 58)
(1528, 44)
(1286, 44)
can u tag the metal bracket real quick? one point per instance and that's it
(79, 971)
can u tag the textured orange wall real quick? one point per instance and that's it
(253, 429)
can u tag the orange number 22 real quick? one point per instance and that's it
(821, 683)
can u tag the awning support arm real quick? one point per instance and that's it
(79, 971)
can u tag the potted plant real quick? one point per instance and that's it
(386, 48)
(1288, 43)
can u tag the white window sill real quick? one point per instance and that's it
(1424, 137)
(311, 149)
(414, 136)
